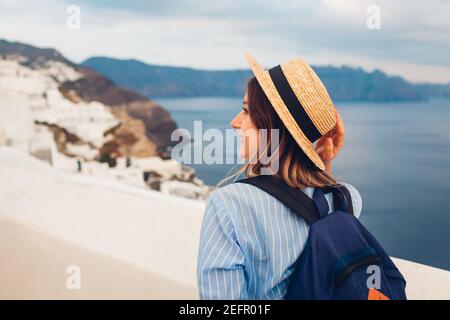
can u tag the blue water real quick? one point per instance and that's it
(396, 154)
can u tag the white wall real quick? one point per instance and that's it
(129, 242)
(15, 120)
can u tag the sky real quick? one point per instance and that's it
(413, 38)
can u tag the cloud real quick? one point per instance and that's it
(414, 40)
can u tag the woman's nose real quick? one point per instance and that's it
(235, 123)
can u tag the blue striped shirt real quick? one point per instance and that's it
(249, 241)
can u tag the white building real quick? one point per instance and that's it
(44, 102)
(16, 122)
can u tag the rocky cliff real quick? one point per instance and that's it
(143, 129)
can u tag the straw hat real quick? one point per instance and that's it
(300, 100)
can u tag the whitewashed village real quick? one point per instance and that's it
(68, 133)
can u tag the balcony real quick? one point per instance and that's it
(125, 242)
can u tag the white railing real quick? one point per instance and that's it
(127, 242)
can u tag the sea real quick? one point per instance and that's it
(396, 154)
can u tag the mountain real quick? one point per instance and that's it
(435, 90)
(135, 125)
(343, 83)
(32, 54)
(162, 81)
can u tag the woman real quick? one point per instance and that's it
(249, 239)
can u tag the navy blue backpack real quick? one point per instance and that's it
(341, 259)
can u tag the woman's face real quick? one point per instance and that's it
(247, 132)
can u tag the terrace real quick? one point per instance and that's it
(123, 242)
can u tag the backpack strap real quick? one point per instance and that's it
(321, 202)
(342, 198)
(295, 199)
(348, 199)
(298, 201)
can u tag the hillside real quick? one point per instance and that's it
(343, 83)
(47, 79)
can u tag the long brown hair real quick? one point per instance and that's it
(294, 167)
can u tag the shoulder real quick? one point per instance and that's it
(239, 209)
(238, 200)
(356, 198)
(237, 194)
